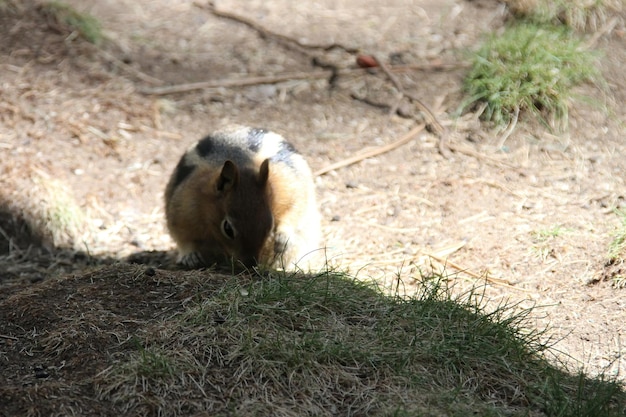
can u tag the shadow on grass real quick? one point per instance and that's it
(126, 339)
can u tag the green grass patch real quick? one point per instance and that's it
(528, 69)
(544, 240)
(87, 26)
(331, 345)
(549, 233)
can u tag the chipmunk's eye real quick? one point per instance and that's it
(227, 229)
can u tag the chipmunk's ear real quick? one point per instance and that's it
(229, 177)
(264, 172)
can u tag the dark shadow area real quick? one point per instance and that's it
(15, 232)
(25, 259)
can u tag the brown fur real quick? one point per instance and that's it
(268, 204)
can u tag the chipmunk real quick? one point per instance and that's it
(246, 195)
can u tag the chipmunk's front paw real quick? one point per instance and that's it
(281, 240)
(191, 260)
(285, 249)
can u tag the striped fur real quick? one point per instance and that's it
(245, 195)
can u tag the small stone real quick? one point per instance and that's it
(40, 372)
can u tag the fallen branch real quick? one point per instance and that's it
(241, 82)
(294, 44)
(374, 152)
(278, 78)
(268, 34)
(430, 116)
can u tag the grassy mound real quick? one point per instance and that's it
(131, 340)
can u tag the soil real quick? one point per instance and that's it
(530, 216)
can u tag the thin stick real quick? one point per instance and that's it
(243, 82)
(266, 33)
(278, 78)
(4, 336)
(606, 28)
(129, 68)
(430, 116)
(459, 268)
(510, 129)
(374, 152)
(482, 157)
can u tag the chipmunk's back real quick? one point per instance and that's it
(244, 194)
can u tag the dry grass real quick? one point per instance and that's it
(131, 340)
(615, 267)
(617, 248)
(330, 345)
(582, 15)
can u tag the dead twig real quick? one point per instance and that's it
(307, 50)
(331, 71)
(494, 184)
(129, 68)
(482, 157)
(374, 152)
(241, 82)
(605, 29)
(397, 109)
(510, 128)
(274, 79)
(430, 116)
(268, 34)
(486, 277)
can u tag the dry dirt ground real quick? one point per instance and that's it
(534, 213)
